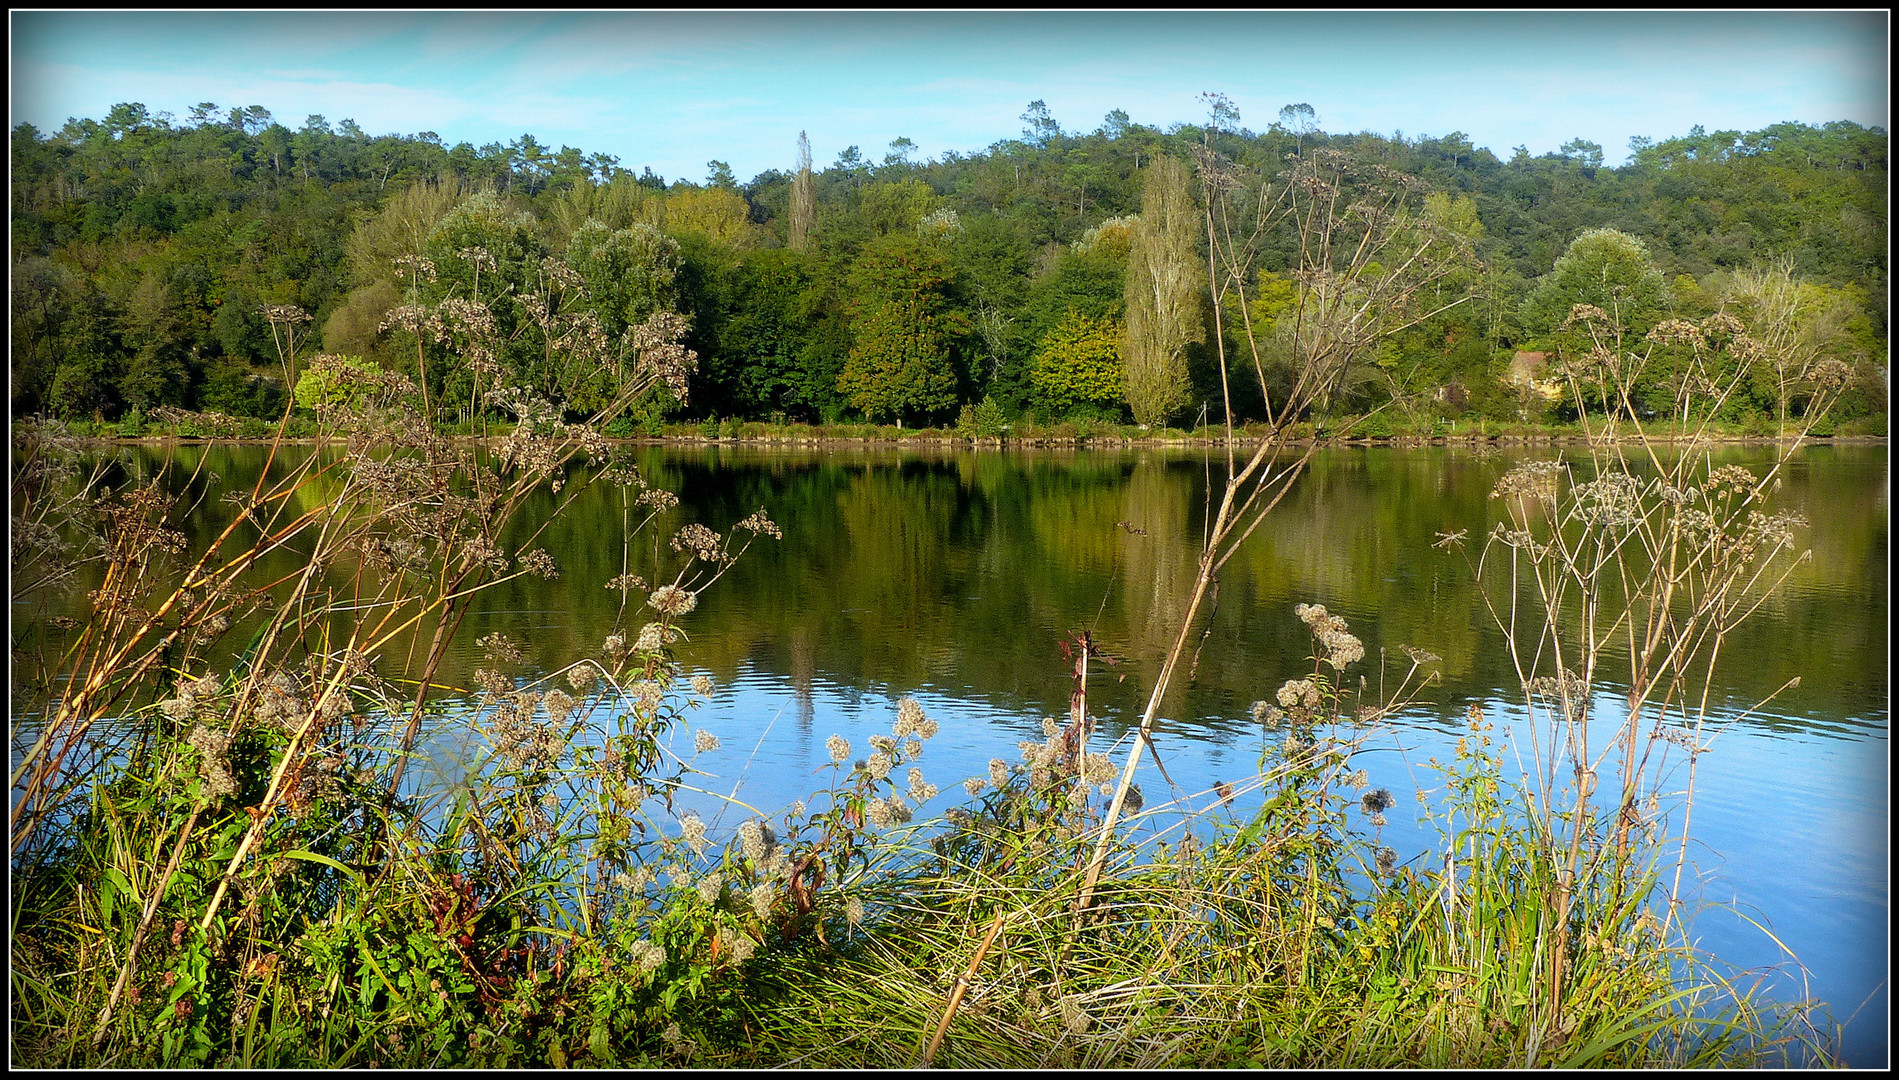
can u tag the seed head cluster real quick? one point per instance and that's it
(540, 564)
(737, 944)
(887, 813)
(214, 763)
(701, 543)
(1374, 803)
(196, 697)
(693, 831)
(648, 955)
(839, 748)
(671, 600)
(521, 741)
(1341, 648)
(1530, 480)
(757, 840)
(912, 721)
(760, 525)
(654, 637)
(647, 694)
(1300, 694)
(626, 583)
(921, 790)
(499, 648)
(762, 896)
(281, 702)
(559, 705)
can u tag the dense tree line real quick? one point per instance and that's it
(196, 264)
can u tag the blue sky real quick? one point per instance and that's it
(673, 90)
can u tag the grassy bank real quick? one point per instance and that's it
(557, 912)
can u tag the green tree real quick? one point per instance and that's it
(903, 363)
(232, 388)
(1165, 286)
(155, 374)
(1797, 322)
(718, 213)
(482, 250)
(1301, 120)
(401, 227)
(82, 386)
(769, 337)
(41, 311)
(629, 273)
(1606, 269)
(1080, 366)
(484, 222)
(1584, 153)
(1039, 127)
(893, 206)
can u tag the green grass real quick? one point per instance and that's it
(1260, 933)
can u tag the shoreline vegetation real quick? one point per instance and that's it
(220, 856)
(1347, 431)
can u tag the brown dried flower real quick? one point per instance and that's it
(672, 600)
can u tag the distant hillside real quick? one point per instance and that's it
(149, 255)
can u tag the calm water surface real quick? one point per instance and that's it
(952, 576)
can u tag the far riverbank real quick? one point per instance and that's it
(1350, 431)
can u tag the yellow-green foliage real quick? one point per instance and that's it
(713, 212)
(1080, 364)
(896, 206)
(1277, 299)
(332, 384)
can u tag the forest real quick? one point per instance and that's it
(200, 265)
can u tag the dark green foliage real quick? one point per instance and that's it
(232, 388)
(904, 360)
(770, 341)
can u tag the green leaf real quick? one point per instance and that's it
(311, 856)
(113, 885)
(597, 1041)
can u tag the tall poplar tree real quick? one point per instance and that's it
(1165, 286)
(803, 198)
